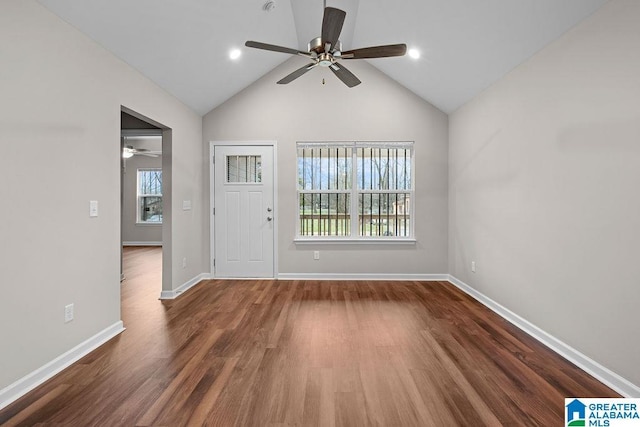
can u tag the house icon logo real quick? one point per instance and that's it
(575, 415)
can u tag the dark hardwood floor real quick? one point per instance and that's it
(306, 353)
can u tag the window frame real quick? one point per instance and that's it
(354, 195)
(139, 196)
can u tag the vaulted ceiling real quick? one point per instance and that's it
(184, 46)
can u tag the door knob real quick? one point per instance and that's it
(269, 218)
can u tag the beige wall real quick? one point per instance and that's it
(544, 174)
(377, 110)
(132, 232)
(61, 96)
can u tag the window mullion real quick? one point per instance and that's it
(354, 194)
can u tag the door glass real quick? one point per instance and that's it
(244, 169)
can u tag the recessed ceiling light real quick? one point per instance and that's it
(414, 53)
(235, 53)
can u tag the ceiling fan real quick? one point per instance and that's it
(128, 152)
(326, 50)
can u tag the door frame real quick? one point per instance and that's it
(212, 186)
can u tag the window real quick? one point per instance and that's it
(150, 196)
(244, 169)
(355, 190)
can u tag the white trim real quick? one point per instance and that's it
(244, 143)
(361, 241)
(135, 243)
(363, 276)
(27, 383)
(212, 206)
(590, 366)
(355, 144)
(209, 277)
(173, 294)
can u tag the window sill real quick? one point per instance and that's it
(148, 224)
(339, 241)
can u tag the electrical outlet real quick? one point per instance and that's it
(473, 266)
(316, 255)
(68, 313)
(184, 262)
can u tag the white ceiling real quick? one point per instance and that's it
(183, 46)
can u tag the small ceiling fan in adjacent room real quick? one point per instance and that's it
(129, 151)
(326, 50)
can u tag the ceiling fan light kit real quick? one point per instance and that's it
(326, 50)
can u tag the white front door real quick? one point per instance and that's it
(243, 220)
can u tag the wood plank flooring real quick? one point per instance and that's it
(321, 353)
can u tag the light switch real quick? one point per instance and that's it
(186, 205)
(93, 208)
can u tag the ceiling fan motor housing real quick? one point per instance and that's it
(316, 46)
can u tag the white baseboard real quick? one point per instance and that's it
(141, 243)
(27, 383)
(361, 276)
(184, 287)
(606, 376)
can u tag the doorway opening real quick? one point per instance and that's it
(145, 200)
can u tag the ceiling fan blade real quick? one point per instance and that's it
(345, 75)
(274, 48)
(297, 73)
(332, 25)
(376, 52)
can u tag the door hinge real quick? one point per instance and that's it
(214, 211)
(213, 159)
(214, 262)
